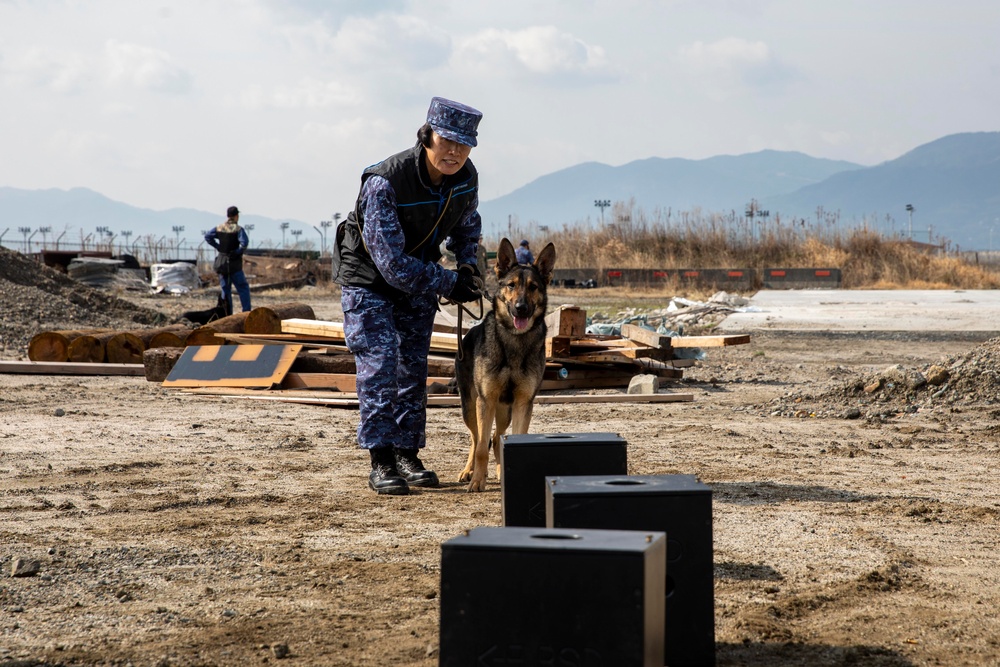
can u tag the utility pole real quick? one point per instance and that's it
(283, 226)
(909, 210)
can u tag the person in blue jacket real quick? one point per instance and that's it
(231, 241)
(386, 258)
(523, 253)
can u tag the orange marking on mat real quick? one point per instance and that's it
(246, 352)
(206, 353)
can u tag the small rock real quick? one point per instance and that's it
(280, 651)
(25, 568)
(852, 413)
(643, 384)
(937, 375)
(59, 412)
(874, 386)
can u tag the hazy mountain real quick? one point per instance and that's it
(720, 183)
(76, 213)
(952, 183)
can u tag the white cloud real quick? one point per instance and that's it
(729, 54)
(725, 68)
(145, 68)
(65, 73)
(539, 50)
(395, 40)
(309, 93)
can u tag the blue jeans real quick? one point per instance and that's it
(226, 284)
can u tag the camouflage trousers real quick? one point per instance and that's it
(390, 339)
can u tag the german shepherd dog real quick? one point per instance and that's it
(503, 359)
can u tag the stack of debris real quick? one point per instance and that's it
(579, 366)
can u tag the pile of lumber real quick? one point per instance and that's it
(575, 359)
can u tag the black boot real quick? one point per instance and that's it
(410, 467)
(384, 478)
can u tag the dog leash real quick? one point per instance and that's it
(483, 295)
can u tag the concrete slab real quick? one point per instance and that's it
(870, 310)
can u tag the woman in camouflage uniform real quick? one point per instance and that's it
(387, 261)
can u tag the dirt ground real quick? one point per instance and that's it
(851, 527)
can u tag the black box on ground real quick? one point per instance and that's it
(527, 459)
(540, 596)
(678, 505)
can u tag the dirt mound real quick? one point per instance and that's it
(34, 298)
(956, 382)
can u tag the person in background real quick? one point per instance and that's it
(386, 258)
(231, 241)
(523, 253)
(482, 261)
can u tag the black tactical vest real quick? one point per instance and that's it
(229, 243)
(427, 216)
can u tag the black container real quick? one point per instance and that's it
(529, 458)
(681, 507)
(539, 596)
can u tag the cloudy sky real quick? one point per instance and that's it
(277, 105)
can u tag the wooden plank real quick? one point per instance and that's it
(345, 401)
(566, 320)
(623, 354)
(232, 366)
(441, 342)
(69, 368)
(645, 336)
(710, 341)
(345, 382)
(557, 346)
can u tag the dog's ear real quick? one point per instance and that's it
(505, 257)
(546, 261)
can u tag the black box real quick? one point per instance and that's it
(540, 596)
(528, 458)
(681, 507)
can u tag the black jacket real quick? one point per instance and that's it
(427, 216)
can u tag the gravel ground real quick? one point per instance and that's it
(855, 507)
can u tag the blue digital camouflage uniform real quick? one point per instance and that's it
(390, 335)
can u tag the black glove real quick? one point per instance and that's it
(471, 269)
(465, 289)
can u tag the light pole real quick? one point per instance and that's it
(283, 226)
(177, 229)
(325, 224)
(45, 231)
(101, 231)
(127, 233)
(909, 210)
(25, 231)
(602, 204)
(296, 233)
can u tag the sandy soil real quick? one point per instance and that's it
(172, 529)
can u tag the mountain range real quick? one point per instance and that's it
(952, 185)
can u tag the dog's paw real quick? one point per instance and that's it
(465, 475)
(478, 484)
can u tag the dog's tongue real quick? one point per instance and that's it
(520, 322)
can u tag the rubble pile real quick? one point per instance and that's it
(35, 297)
(956, 382)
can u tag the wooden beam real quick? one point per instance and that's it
(343, 382)
(441, 342)
(710, 341)
(645, 336)
(333, 399)
(69, 368)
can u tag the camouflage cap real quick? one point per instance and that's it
(454, 121)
